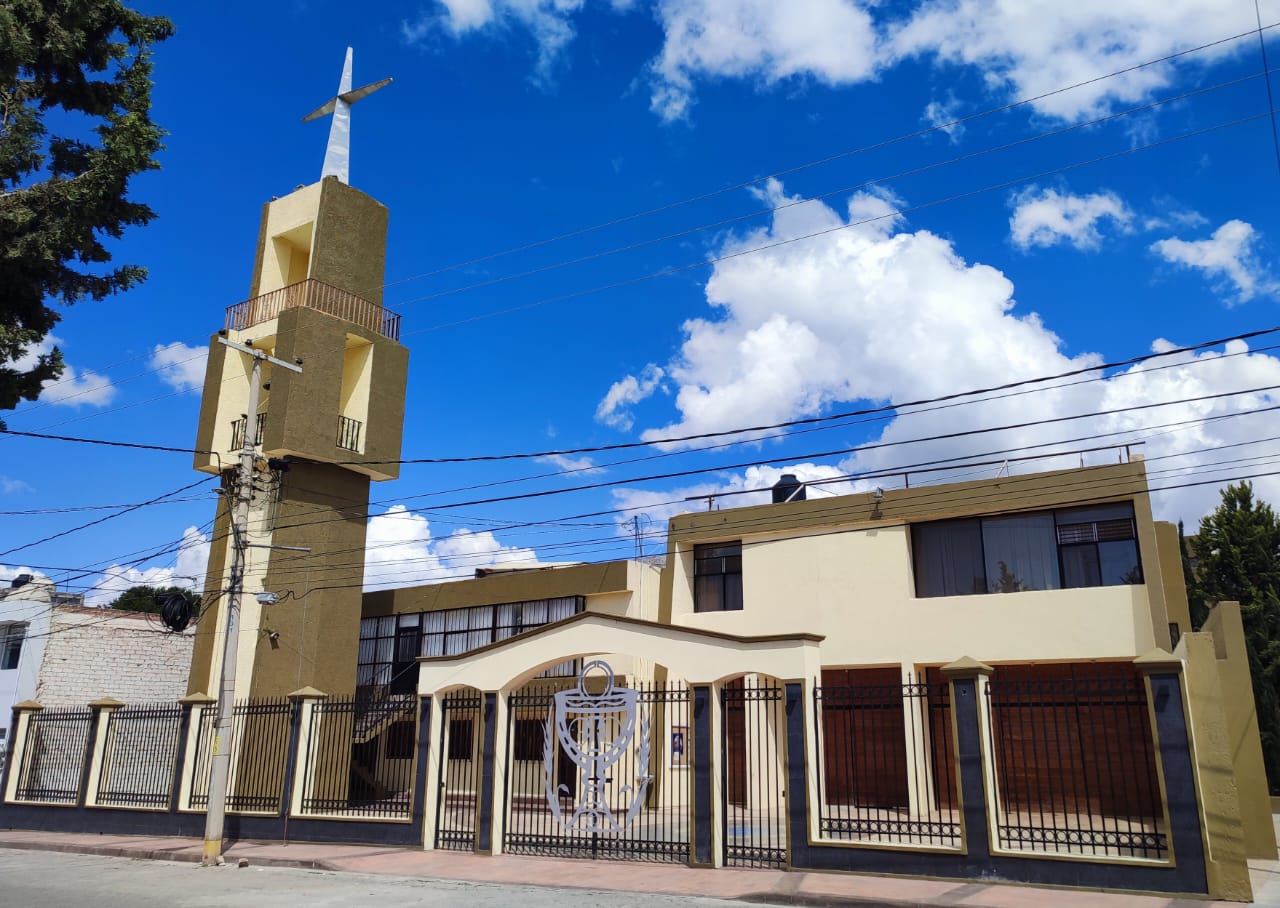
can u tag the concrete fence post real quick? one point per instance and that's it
(976, 774)
(18, 743)
(303, 741)
(96, 750)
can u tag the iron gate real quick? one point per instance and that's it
(752, 732)
(659, 830)
(462, 720)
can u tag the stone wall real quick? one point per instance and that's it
(92, 653)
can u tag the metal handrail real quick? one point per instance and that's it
(317, 295)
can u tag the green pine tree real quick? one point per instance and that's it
(1237, 556)
(144, 598)
(82, 67)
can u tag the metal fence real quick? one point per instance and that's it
(658, 758)
(259, 748)
(886, 763)
(361, 758)
(53, 759)
(1075, 762)
(140, 756)
(459, 782)
(752, 735)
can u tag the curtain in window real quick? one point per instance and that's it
(948, 558)
(433, 634)
(1021, 553)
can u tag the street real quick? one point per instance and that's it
(44, 879)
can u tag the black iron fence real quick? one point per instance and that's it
(259, 748)
(641, 784)
(886, 760)
(53, 759)
(362, 755)
(752, 734)
(140, 756)
(1075, 762)
(459, 782)
(349, 433)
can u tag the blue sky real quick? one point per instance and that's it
(1050, 236)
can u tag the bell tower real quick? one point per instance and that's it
(324, 428)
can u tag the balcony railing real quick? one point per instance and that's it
(237, 431)
(349, 434)
(313, 294)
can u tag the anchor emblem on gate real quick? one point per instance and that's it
(596, 731)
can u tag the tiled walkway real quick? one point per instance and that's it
(770, 886)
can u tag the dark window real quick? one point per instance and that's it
(529, 739)
(717, 577)
(400, 740)
(1043, 550)
(11, 637)
(460, 739)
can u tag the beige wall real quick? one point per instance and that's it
(842, 568)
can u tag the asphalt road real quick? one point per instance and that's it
(43, 879)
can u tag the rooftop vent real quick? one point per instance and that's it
(788, 488)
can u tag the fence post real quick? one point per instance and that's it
(701, 853)
(97, 748)
(185, 758)
(302, 746)
(1224, 870)
(418, 808)
(488, 777)
(967, 677)
(18, 743)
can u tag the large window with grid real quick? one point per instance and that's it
(717, 577)
(1039, 550)
(390, 645)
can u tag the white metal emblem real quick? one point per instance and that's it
(596, 730)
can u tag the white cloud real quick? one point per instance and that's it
(7, 573)
(625, 392)
(1229, 258)
(188, 571)
(75, 388)
(548, 21)
(180, 366)
(833, 41)
(400, 550)
(1046, 217)
(10, 486)
(880, 313)
(572, 464)
(1033, 47)
(943, 115)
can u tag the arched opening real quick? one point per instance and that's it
(752, 746)
(461, 730)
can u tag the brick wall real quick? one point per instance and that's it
(91, 653)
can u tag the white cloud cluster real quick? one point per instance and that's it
(10, 486)
(1046, 217)
(881, 313)
(400, 550)
(76, 387)
(188, 571)
(180, 366)
(1031, 48)
(626, 391)
(1228, 258)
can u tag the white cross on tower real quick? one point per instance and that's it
(337, 154)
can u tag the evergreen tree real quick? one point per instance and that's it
(1237, 554)
(150, 598)
(86, 67)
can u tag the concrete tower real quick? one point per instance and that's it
(323, 435)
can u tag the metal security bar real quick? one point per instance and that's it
(361, 759)
(886, 764)
(1075, 761)
(536, 762)
(313, 294)
(140, 756)
(259, 749)
(349, 433)
(53, 758)
(752, 732)
(237, 431)
(459, 781)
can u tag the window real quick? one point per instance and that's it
(1042, 550)
(11, 637)
(717, 577)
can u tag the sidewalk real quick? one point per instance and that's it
(769, 886)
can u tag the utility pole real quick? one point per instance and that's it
(220, 764)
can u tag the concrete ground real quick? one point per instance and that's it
(760, 886)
